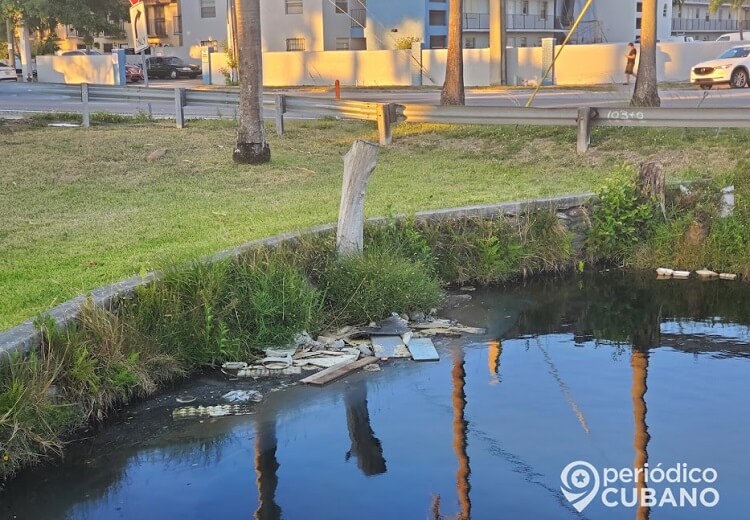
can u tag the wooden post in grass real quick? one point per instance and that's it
(179, 107)
(279, 109)
(86, 109)
(584, 130)
(359, 162)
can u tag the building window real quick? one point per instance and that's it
(522, 41)
(438, 18)
(664, 11)
(639, 7)
(108, 47)
(470, 43)
(342, 6)
(697, 13)
(295, 44)
(637, 23)
(437, 42)
(342, 44)
(545, 7)
(525, 7)
(293, 6)
(208, 8)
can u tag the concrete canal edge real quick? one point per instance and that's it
(26, 336)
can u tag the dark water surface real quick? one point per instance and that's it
(615, 370)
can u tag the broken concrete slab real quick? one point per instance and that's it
(327, 361)
(422, 349)
(391, 326)
(387, 346)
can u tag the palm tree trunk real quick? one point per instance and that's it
(453, 88)
(646, 93)
(251, 147)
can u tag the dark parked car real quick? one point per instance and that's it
(171, 67)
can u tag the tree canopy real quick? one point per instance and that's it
(88, 17)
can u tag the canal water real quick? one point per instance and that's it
(577, 381)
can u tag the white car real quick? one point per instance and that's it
(7, 72)
(731, 67)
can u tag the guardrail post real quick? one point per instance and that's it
(179, 107)
(280, 109)
(584, 130)
(86, 108)
(384, 124)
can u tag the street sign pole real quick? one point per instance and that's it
(145, 69)
(140, 33)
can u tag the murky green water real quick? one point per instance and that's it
(616, 371)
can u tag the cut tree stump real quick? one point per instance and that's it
(359, 163)
(650, 183)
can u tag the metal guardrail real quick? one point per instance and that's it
(484, 115)
(385, 114)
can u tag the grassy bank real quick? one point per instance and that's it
(82, 208)
(203, 314)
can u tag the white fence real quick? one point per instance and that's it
(577, 65)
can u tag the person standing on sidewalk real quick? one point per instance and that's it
(631, 56)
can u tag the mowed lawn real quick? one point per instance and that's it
(82, 208)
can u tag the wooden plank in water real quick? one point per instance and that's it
(422, 349)
(337, 371)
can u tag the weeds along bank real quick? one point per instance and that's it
(206, 313)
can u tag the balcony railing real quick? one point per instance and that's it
(157, 27)
(476, 21)
(700, 24)
(177, 23)
(534, 22)
(359, 17)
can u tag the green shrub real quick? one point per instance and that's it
(620, 219)
(359, 289)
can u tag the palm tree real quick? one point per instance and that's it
(646, 92)
(737, 5)
(453, 88)
(251, 147)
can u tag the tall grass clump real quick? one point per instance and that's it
(359, 289)
(490, 251)
(226, 310)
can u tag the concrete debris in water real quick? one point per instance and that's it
(267, 372)
(234, 365)
(221, 410)
(243, 396)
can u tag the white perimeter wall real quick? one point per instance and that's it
(577, 65)
(96, 70)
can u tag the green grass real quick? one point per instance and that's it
(82, 208)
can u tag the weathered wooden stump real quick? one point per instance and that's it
(359, 163)
(650, 184)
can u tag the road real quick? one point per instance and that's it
(18, 98)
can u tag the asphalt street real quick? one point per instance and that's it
(20, 98)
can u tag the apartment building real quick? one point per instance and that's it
(692, 18)
(330, 25)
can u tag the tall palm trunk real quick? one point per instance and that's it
(646, 93)
(251, 147)
(453, 88)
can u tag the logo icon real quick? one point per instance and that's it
(580, 483)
